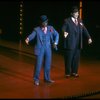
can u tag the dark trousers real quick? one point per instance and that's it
(71, 59)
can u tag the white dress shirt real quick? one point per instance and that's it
(74, 20)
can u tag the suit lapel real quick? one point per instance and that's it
(73, 25)
(40, 32)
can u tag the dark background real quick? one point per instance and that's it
(56, 11)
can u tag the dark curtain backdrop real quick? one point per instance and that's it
(56, 11)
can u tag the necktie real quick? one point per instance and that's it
(76, 22)
(45, 30)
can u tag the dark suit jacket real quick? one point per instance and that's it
(75, 33)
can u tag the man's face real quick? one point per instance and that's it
(75, 15)
(45, 24)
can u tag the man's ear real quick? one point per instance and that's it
(71, 14)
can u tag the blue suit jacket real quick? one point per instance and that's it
(69, 26)
(52, 37)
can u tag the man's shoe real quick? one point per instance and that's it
(36, 83)
(67, 76)
(75, 75)
(49, 81)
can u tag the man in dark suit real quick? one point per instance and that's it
(45, 35)
(73, 31)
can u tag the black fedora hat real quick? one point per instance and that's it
(43, 19)
(74, 9)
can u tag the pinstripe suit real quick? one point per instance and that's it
(73, 44)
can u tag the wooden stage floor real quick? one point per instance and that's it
(16, 76)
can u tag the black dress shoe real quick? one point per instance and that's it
(75, 75)
(67, 76)
(49, 81)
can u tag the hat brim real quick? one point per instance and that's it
(45, 21)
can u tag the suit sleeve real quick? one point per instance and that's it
(55, 36)
(32, 35)
(84, 29)
(64, 27)
(85, 32)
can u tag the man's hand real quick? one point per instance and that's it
(65, 34)
(27, 41)
(55, 46)
(89, 40)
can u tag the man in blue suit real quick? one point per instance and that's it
(46, 37)
(73, 31)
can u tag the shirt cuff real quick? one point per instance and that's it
(55, 43)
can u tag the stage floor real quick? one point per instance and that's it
(17, 68)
